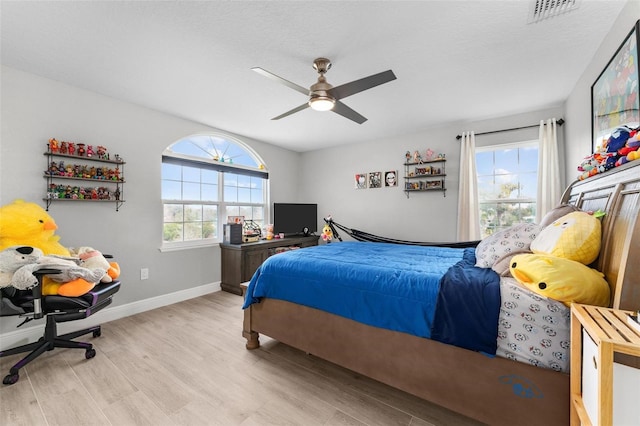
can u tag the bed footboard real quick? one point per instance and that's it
(496, 391)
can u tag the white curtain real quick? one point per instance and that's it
(549, 180)
(468, 206)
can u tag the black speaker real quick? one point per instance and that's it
(232, 233)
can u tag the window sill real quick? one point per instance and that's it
(186, 245)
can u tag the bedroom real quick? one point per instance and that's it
(36, 108)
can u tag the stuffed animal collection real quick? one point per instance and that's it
(621, 147)
(28, 243)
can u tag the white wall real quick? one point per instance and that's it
(328, 179)
(35, 109)
(578, 105)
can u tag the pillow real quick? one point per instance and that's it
(561, 279)
(556, 213)
(514, 239)
(575, 236)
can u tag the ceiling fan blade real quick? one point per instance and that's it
(357, 86)
(281, 80)
(345, 111)
(293, 111)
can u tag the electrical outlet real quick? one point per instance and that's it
(144, 273)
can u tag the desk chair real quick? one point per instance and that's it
(57, 309)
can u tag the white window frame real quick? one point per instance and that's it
(507, 146)
(222, 168)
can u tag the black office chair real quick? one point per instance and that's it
(57, 309)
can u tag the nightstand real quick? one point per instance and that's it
(604, 392)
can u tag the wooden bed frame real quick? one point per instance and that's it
(495, 390)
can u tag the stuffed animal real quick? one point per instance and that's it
(327, 233)
(14, 258)
(20, 262)
(91, 258)
(561, 279)
(574, 236)
(558, 269)
(28, 224)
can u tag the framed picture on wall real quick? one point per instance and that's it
(375, 179)
(391, 178)
(360, 180)
(614, 95)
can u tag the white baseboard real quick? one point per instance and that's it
(111, 313)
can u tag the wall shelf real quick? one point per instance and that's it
(79, 168)
(425, 176)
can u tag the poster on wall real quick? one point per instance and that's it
(375, 179)
(391, 178)
(361, 180)
(614, 95)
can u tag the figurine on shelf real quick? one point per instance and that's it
(81, 150)
(63, 147)
(53, 169)
(72, 148)
(407, 156)
(417, 158)
(102, 152)
(68, 170)
(53, 145)
(90, 151)
(429, 154)
(116, 194)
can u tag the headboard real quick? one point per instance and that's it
(617, 192)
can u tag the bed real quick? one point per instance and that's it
(418, 358)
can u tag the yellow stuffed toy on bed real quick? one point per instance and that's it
(561, 279)
(574, 236)
(557, 268)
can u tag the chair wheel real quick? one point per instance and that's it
(97, 333)
(90, 353)
(10, 379)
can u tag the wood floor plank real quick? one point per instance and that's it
(186, 364)
(19, 405)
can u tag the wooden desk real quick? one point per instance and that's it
(240, 261)
(596, 398)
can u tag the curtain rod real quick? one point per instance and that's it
(560, 122)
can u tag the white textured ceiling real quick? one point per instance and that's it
(454, 60)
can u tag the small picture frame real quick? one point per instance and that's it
(391, 178)
(434, 184)
(375, 179)
(360, 180)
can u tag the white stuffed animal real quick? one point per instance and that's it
(18, 263)
(91, 258)
(12, 259)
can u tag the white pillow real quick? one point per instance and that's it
(517, 238)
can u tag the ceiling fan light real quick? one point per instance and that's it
(322, 103)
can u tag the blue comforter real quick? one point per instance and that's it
(391, 286)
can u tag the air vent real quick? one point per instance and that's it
(543, 9)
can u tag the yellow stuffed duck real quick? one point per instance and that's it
(558, 266)
(27, 224)
(327, 233)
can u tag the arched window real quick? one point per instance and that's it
(206, 179)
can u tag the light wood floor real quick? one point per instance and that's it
(186, 364)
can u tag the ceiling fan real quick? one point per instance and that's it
(324, 97)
